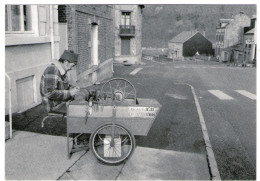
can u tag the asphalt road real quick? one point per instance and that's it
(231, 122)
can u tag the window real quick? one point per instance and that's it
(18, 18)
(125, 18)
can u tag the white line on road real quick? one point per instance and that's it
(221, 95)
(155, 61)
(135, 71)
(211, 157)
(247, 94)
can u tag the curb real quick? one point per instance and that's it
(213, 168)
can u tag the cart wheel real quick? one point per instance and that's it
(108, 151)
(120, 88)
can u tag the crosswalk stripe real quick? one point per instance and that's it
(247, 94)
(135, 71)
(221, 95)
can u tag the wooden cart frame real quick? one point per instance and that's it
(124, 119)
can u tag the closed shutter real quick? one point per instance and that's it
(43, 14)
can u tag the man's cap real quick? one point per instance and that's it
(70, 56)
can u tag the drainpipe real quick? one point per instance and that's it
(10, 105)
(52, 32)
(114, 37)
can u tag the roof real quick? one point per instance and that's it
(222, 21)
(183, 36)
(252, 31)
(225, 20)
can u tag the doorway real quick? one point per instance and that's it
(125, 46)
(94, 44)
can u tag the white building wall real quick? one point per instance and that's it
(26, 57)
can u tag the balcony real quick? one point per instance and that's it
(126, 30)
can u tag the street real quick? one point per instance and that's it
(130, 91)
(175, 147)
(227, 99)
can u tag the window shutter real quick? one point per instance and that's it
(43, 20)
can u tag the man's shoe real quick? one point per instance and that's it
(79, 145)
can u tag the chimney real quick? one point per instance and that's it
(204, 33)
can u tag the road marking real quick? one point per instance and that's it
(247, 94)
(176, 96)
(221, 95)
(151, 59)
(210, 154)
(135, 71)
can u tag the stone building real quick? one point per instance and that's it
(229, 33)
(250, 41)
(128, 33)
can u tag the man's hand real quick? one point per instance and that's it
(74, 91)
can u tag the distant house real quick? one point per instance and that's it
(188, 43)
(229, 33)
(250, 41)
(128, 33)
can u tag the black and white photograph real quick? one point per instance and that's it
(130, 91)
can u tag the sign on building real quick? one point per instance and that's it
(250, 41)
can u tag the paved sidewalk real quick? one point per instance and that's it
(33, 156)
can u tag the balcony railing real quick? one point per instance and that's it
(127, 30)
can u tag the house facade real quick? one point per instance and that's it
(31, 43)
(250, 42)
(128, 33)
(36, 35)
(188, 43)
(88, 30)
(229, 33)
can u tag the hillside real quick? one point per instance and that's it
(162, 22)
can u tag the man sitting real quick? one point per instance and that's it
(54, 82)
(56, 88)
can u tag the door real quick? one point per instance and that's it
(94, 44)
(240, 58)
(125, 46)
(225, 56)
